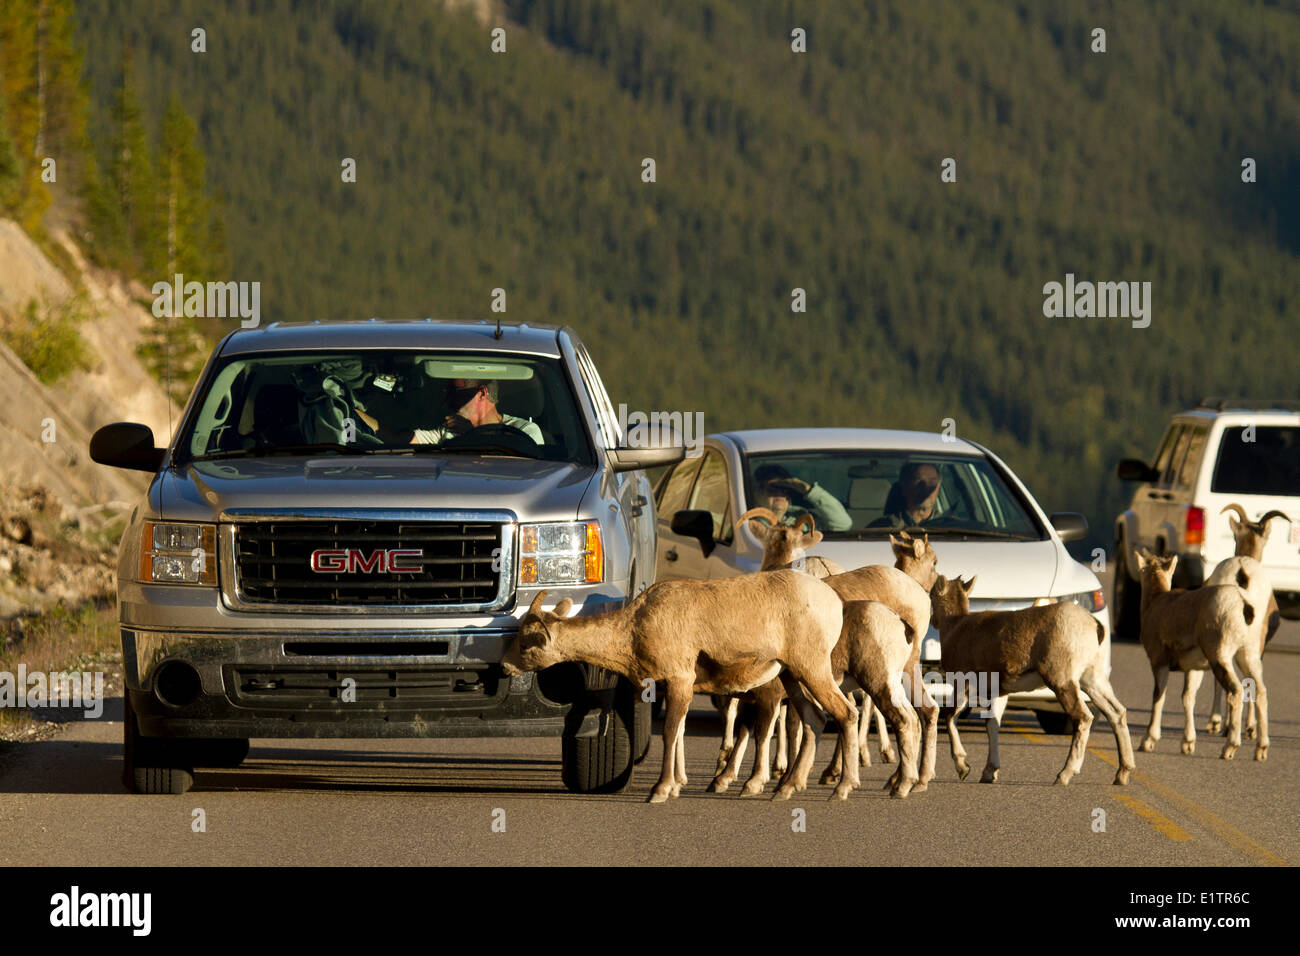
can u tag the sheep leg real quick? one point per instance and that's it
(722, 781)
(1161, 674)
(826, 691)
(728, 732)
(992, 724)
(1253, 668)
(796, 777)
(680, 692)
(1191, 684)
(782, 737)
(1223, 672)
(1215, 724)
(1072, 703)
(793, 735)
(930, 719)
(681, 759)
(886, 750)
(1103, 695)
(763, 724)
(954, 738)
(892, 701)
(865, 711)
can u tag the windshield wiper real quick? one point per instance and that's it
(973, 533)
(289, 450)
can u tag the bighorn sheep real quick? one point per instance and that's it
(1057, 645)
(1207, 628)
(1251, 537)
(915, 558)
(717, 636)
(783, 547)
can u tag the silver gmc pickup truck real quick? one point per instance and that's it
(350, 522)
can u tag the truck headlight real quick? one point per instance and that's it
(172, 553)
(561, 552)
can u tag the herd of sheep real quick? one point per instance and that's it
(801, 632)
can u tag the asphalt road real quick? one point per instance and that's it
(436, 802)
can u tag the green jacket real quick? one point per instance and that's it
(825, 509)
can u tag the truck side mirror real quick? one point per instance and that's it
(126, 445)
(695, 524)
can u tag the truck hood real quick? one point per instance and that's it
(1007, 569)
(540, 490)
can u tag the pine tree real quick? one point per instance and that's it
(131, 173)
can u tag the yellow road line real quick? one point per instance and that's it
(1152, 816)
(1221, 828)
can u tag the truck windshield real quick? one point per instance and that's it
(374, 401)
(869, 493)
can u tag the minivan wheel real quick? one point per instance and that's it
(1126, 616)
(148, 766)
(602, 762)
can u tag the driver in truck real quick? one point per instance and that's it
(475, 404)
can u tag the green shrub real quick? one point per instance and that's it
(47, 341)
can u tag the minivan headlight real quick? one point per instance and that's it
(173, 553)
(561, 552)
(1092, 601)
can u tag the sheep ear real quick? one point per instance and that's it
(563, 608)
(1234, 524)
(967, 585)
(918, 548)
(535, 608)
(812, 539)
(760, 530)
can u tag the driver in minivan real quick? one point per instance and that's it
(475, 404)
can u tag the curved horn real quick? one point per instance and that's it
(1241, 512)
(536, 607)
(767, 513)
(1270, 515)
(808, 519)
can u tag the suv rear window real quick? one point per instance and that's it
(1269, 465)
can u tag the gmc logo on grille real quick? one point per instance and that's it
(351, 560)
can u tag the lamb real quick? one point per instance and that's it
(1057, 645)
(1251, 537)
(1195, 630)
(915, 558)
(717, 636)
(783, 547)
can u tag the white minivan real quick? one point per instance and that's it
(854, 481)
(1225, 451)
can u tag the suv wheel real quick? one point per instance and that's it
(1126, 616)
(148, 764)
(602, 762)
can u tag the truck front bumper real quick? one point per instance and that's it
(353, 684)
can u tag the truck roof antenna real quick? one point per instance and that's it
(497, 333)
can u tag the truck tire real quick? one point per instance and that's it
(602, 762)
(1126, 607)
(642, 726)
(148, 765)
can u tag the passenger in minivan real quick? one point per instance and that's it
(790, 498)
(914, 499)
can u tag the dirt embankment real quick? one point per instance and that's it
(60, 513)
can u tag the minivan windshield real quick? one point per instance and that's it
(869, 493)
(394, 401)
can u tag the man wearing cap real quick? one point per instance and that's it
(475, 402)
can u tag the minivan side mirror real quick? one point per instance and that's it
(1130, 469)
(126, 445)
(648, 447)
(695, 524)
(1070, 525)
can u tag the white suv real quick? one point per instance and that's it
(1220, 453)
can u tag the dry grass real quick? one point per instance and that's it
(61, 639)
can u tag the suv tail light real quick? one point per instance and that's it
(1195, 533)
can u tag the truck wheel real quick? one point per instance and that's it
(1126, 608)
(602, 762)
(1054, 722)
(148, 766)
(642, 726)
